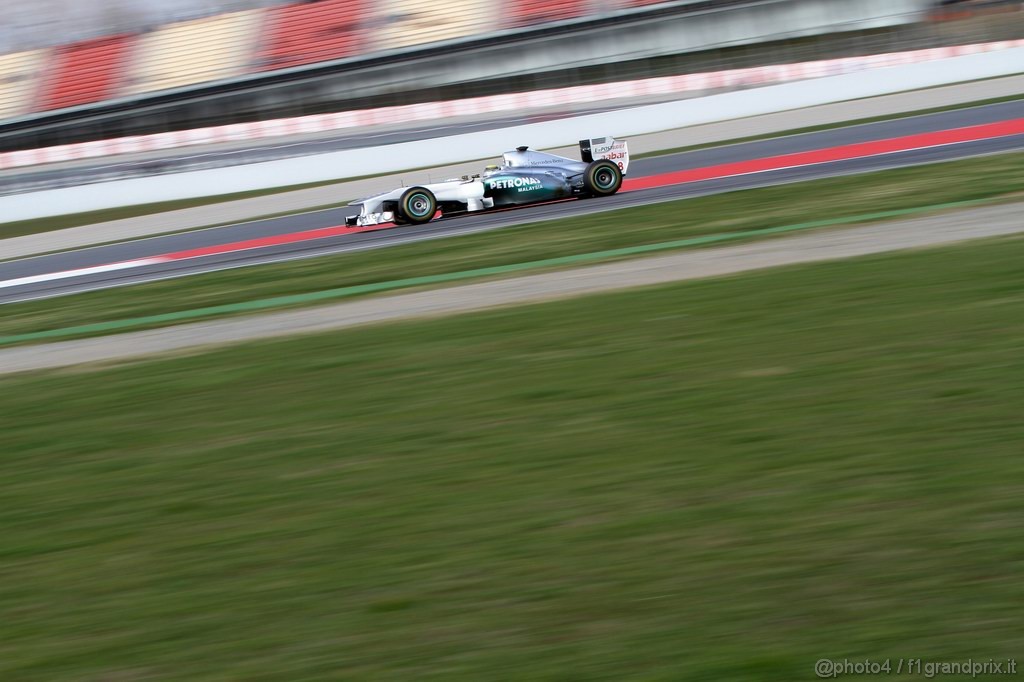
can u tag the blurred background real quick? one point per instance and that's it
(73, 72)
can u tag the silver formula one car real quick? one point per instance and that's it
(524, 177)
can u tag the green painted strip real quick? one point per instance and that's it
(343, 292)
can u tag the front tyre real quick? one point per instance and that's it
(602, 178)
(416, 206)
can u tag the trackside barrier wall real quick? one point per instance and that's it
(458, 148)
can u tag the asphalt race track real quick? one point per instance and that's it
(42, 267)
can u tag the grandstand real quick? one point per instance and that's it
(80, 73)
(414, 22)
(311, 32)
(266, 39)
(531, 12)
(417, 22)
(19, 79)
(193, 52)
(276, 36)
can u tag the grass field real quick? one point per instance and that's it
(720, 480)
(993, 176)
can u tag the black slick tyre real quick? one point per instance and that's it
(416, 206)
(602, 178)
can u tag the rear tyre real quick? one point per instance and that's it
(602, 178)
(416, 206)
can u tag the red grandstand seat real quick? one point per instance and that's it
(312, 32)
(528, 12)
(85, 72)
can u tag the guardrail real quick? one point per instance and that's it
(635, 121)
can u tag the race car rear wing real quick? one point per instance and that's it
(606, 148)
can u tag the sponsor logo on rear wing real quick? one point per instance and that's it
(609, 148)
